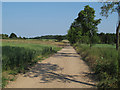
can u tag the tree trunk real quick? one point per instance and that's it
(117, 36)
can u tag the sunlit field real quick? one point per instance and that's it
(18, 55)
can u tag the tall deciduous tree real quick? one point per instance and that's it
(86, 18)
(110, 7)
(84, 28)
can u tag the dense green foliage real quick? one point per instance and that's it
(4, 36)
(58, 37)
(84, 28)
(103, 60)
(107, 38)
(13, 35)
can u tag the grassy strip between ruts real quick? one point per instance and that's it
(17, 57)
(103, 60)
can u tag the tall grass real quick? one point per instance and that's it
(20, 57)
(16, 57)
(103, 61)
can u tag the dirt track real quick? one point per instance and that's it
(65, 69)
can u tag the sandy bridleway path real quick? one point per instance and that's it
(64, 69)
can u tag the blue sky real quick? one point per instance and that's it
(31, 19)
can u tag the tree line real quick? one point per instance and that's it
(106, 38)
(57, 37)
(14, 36)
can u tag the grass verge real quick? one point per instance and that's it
(103, 60)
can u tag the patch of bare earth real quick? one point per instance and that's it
(65, 69)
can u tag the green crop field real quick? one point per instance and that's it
(17, 55)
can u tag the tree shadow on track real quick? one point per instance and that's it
(47, 74)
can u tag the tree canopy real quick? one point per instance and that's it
(13, 35)
(84, 28)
